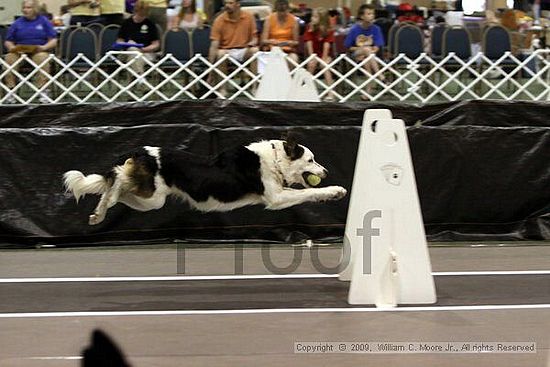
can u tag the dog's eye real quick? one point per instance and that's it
(310, 160)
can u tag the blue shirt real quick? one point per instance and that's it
(373, 30)
(31, 32)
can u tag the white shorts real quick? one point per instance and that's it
(237, 53)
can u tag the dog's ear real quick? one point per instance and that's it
(292, 148)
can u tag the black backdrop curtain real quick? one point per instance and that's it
(482, 168)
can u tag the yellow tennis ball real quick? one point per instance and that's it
(313, 180)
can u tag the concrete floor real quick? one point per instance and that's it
(265, 337)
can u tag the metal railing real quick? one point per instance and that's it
(422, 79)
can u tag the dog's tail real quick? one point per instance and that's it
(80, 185)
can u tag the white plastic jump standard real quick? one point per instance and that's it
(277, 84)
(389, 262)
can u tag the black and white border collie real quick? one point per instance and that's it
(264, 172)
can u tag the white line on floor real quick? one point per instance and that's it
(166, 278)
(273, 311)
(243, 277)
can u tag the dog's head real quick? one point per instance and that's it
(298, 162)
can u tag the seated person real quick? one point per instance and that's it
(188, 17)
(234, 34)
(281, 29)
(364, 39)
(319, 38)
(33, 35)
(141, 31)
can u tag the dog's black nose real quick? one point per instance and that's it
(325, 172)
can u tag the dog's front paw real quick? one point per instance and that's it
(333, 193)
(95, 219)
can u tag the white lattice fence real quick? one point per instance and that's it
(113, 78)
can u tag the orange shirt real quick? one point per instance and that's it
(282, 32)
(233, 33)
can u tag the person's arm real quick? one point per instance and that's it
(51, 35)
(309, 48)
(154, 46)
(213, 52)
(295, 34)
(265, 33)
(349, 41)
(50, 45)
(326, 50)
(73, 3)
(174, 23)
(253, 39)
(9, 45)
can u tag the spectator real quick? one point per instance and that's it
(281, 29)
(365, 39)
(156, 13)
(34, 35)
(84, 12)
(138, 29)
(409, 14)
(189, 17)
(234, 34)
(112, 11)
(319, 38)
(65, 15)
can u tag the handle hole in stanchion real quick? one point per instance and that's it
(390, 138)
(373, 126)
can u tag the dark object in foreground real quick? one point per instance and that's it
(103, 352)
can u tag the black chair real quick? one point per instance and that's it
(63, 41)
(200, 41)
(496, 41)
(3, 32)
(436, 41)
(96, 28)
(390, 41)
(409, 40)
(178, 44)
(107, 37)
(82, 41)
(457, 39)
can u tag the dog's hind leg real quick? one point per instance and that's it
(108, 199)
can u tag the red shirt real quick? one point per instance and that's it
(318, 40)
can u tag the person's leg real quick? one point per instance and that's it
(42, 76)
(223, 68)
(136, 60)
(328, 78)
(376, 68)
(251, 51)
(11, 58)
(312, 66)
(294, 57)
